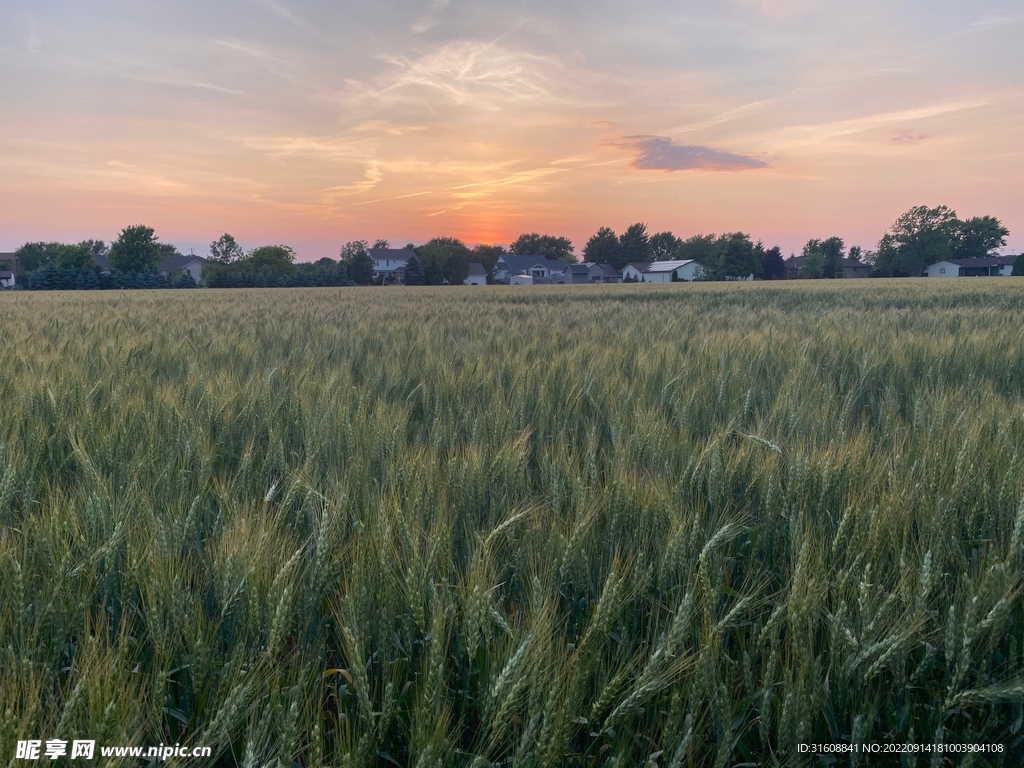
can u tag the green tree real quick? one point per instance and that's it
(978, 237)
(414, 273)
(737, 257)
(1018, 266)
(832, 254)
(919, 237)
(352, 249)
(225, 250)
(444, 258)
(35, 255)
(813, 260)
(360, 268)
(773, 267)
(270, 261)
(548, 246)
(704, 249)
(603, 248)
(381, 243)
(487, 255)
(664, 246)
(634, 245)
(856, 253)
(135, 250)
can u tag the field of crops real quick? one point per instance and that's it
(687, 525)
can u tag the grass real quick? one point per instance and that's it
(674, 526)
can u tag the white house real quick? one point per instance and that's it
(992, 266)
(542, 270)
(191, 265)
(7, 280)
(686, 270)
(389, 263)
(477, 274)
(520, 280)
(634, 271)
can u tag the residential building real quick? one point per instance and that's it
(9, 262)
(542, 270)
(573, 274)
(477, 274)
(175, 265)
(683, 271)
(992, 266)
(7, 280)
(603, 273)
(634, 271)
(852, 268)
(389, 263)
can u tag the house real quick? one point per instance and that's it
(542, 270)
(575, 273)
(477, 274)
(9, 262)
(634, 271)
(7, 280)
(852, 268)
(389, 264)
(174, 265)
(603, 273)
(685, 270)
(992, 266)
(523, 279)
(103, 263)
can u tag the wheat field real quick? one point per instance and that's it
(683, 525)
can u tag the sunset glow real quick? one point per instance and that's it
(313, 123)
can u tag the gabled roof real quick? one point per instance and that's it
(477, 269)
(521, 263)
(578, 269)
(102, 262)
(667, 266)
(5, 275)
(394, 254)
(174, 263)
(639, 266)
(989, 261)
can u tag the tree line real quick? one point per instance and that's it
(920, 237)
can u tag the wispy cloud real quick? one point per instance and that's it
(430, 20)
(465, 71)
(907, 137)
(998, 19)
(284, 12)
(660, 153)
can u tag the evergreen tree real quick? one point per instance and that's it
(414, 272)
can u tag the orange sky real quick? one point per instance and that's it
(309, 124)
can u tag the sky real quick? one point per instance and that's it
(312, 123)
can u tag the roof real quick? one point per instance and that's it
(102, 262)
(797, 262)
(522, 263)
(578, 269)
(477, 269)
(666, 266)
(174, 263)
(5, 275)
(395, 254)
(990, 261)
(639, 266)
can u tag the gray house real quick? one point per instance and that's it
(542, 270)
(576, 273)
(191, 264)
(603, 273)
